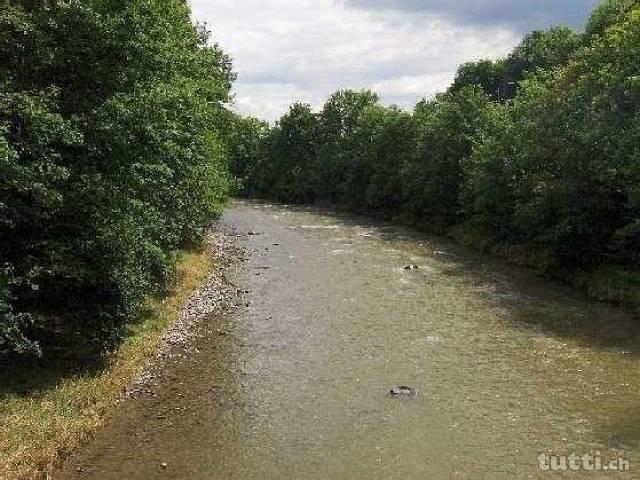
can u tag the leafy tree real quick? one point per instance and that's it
(339, 118)
(489, 75)
(112, 156)
(432, 180)
(245, 143)
(391, 136)
(568, 152)
(540, 50)
(283, 167)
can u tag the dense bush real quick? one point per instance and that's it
(536, 155)
(112, 157)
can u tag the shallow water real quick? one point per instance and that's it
(506, 365)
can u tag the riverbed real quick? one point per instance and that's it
(337, 309)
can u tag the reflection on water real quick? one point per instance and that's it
(507, 366)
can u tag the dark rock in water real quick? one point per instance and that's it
(402, 391)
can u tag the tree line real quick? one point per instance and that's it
(113, 156)
(535, 156)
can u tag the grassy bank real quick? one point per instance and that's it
(47, 411)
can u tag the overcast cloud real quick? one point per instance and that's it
(303, 50)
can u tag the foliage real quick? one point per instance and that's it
(567, 159)
(608, 13)
(244, 144)
(112, 151)
(292, 144)
(540, 50)
(433, 178)
(337, 145)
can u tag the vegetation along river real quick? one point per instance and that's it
(505, 367)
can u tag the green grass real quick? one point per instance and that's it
(47, 412)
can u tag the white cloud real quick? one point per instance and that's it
(304, 50)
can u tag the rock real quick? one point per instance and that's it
(252, 232)
(163, 466)
(411, 267)
(402, 391)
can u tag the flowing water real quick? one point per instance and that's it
(507, 366)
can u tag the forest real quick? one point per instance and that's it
(534, 157)
(113, 157)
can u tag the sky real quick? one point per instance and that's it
(286, 51)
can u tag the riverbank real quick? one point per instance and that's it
(48, 411)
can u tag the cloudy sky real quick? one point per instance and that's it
(303, 50)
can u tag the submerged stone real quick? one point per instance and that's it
(402, 391)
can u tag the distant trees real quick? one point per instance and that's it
(112, 157)
(535, 156)
(338, 149)
(246, 138)
(433, 175)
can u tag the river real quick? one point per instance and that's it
(506, 367)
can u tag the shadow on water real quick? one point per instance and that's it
(550, 308)
(531, 301)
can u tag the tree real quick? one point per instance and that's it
(432, 179)
(607, 14)
(339, 118)
(540, 50)
(245, 142)
(112, 132)
(566, 159)
(282, 166)
(489, 75)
